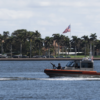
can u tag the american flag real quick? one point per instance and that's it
(67, 29)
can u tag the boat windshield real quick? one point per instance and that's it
(70, 64)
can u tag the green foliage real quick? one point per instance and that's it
(30, 43)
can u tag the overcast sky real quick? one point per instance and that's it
(51, 16)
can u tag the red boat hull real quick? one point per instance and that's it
(74, 73)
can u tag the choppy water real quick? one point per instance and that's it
(25, 80)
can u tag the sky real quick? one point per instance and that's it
(51, 16)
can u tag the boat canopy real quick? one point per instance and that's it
(81, 64)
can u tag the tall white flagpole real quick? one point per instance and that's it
(70, 37)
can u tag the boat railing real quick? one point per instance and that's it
(87, 58)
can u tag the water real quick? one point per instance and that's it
(25, 80)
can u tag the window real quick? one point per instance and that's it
(70, 64)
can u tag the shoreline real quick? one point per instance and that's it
(41, 59)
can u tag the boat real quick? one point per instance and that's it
(75, 68)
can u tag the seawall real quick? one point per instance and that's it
(41, 59)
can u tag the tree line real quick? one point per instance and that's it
(30, 43)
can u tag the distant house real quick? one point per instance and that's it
(70, 53)
(60, 49)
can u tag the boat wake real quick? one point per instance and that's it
(73, 79)
(49, 79)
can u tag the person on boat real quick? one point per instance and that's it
(59, 66)
(76, 65)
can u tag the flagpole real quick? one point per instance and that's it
(70, 37)
(68, 29)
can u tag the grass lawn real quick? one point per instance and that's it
(82, 56)
(79, 56)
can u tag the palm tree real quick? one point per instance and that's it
(5, 35)
(97, 43)
(30, 37)
(93, 38)
(65, 42)
(4, 38)
(20, 37)
(74, 41)
(37, 34)
(57, 39)
(39, 44)
(1, 43)
(10, 42)
(48, 42)
(85, 40)
(78, 43)
(62, 43)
